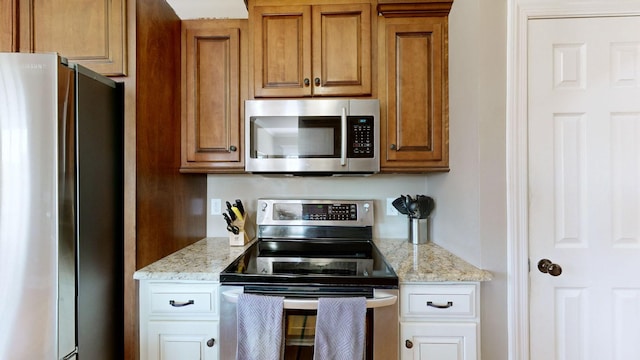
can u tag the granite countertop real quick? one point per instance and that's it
(205, 259)
(427, 263)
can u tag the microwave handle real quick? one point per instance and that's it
(343, 145)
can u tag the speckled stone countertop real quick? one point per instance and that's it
(205, 259)
(427, 263)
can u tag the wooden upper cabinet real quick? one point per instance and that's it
(415, 117)
(212, 126)
(304, 50)
(8, 25)
(91, 33)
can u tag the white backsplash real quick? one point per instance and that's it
(249, 188)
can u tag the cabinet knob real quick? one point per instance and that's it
(233, 148)
(316, 81)
(211, 342)
(393, 146)
(408, 344)
(306, 82)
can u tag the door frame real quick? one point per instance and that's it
(518, 16)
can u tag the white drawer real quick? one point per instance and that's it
(438, 300)
(167, 298)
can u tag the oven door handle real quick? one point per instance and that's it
(380, 299)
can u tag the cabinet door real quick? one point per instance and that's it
(184, 340)
(282, 51)
(341, 37)
(438, 341)
(91, 33)
(211, 91)
(415, 125)
(8, 25)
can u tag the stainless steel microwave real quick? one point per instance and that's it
(312, 137)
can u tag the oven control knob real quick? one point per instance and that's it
(408, 344)
(366, 207)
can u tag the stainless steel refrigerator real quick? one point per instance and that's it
(61, 210)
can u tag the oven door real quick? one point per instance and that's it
(300, 315)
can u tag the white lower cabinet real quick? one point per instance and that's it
(184, 340)
(439, 322)
(179, 320)
(438, 341)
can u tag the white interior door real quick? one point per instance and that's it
(584, 187)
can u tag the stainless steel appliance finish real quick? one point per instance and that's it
(312, 137)
(308, 249)
(60, 210)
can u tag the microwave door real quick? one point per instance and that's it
(293, 137)
(321, 136)
(296, 144)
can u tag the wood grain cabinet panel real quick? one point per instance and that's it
(320, 50)
(91, 33)
(8, 25)
(212, 125)
(415, 118)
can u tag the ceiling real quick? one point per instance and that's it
(209, 9)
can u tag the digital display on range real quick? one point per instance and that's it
(319, 212)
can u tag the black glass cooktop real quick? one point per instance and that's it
(325, 263)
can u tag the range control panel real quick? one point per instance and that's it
(278, 212)
(329, 212)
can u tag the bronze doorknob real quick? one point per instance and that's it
(548, 267)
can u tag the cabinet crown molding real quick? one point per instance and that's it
(432, 8)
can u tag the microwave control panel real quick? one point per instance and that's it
(360, 137)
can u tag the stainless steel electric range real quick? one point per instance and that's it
(307, 249)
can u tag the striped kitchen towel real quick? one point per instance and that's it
(340, 329)
(260, 325)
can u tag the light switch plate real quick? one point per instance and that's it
(216, 207)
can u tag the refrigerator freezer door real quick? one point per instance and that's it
(29, 207)
(68, 212)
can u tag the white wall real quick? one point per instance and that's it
(470, 215)
(249, 188)
(474, 192)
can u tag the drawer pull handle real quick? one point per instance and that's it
(439, 306)
(181, 304)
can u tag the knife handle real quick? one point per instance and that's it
(240, 206)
